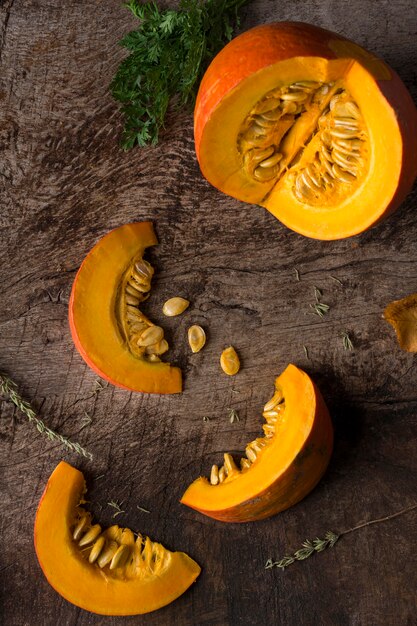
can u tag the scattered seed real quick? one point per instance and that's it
(229, 361)
(175, 306)
(196, 338)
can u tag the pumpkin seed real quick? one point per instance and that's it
(175, 306)
(229, 464)
(229, 361)
(294, 96)
(272, 160)
(264, 106)
(107, 554)
(96, 549)
(263, 174)
(78, 530)
(158, 348)
(120, 556)
(90, 535)
(214, 475)
(274, 401)
(251, 454)
(222, 475)
(196, 338)
(150, 336)
(344, 177)
(245, 464)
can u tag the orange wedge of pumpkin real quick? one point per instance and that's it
(110, 572)
(281, 467)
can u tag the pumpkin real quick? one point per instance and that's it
(402, 315)
(280, 468)
(110, 572)
(309, 125)
(111, 333)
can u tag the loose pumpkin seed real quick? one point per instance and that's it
(196, 338)
(229, 361)
(175, 306)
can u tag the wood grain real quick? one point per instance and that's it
(64, 183)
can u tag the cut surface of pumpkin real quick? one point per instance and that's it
(110, 331)
(402, 315)
(281, 467)
(309, 125)
(110, 572)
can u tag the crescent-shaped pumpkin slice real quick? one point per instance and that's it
(309, 125)
(109, 572)
(108, 328)
(280, 468)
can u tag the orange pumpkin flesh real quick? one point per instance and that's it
(148, 575)
(237, 129)
(105, 327)
(281, 468)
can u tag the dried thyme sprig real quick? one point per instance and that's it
(142, 509)
(320, 309)
(347, 342)
(233, 416)
(309, 547)
(118, 507)
(9, 388)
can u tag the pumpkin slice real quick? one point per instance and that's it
(109, 330)
(280, 468)
(309, 125)
(110, 572)
(402, 315)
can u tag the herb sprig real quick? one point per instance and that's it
(310, 547)
(9, 388)
(169, 52)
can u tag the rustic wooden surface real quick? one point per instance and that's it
(65, 183)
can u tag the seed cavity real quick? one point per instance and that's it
(116, 549)
(273, 413)
(335, 149)
(229, 361)
(196, 338)
(144, 339)
(175, 306)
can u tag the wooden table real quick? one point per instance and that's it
(65, 183)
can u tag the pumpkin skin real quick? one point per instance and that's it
(286, 469)
(95, 589)
(95, 329)
(277, 54)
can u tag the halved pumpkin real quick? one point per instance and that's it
(309, 125)
(108, 572)
(280, 468)
(109, 330)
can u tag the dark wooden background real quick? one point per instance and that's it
(65, 183)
